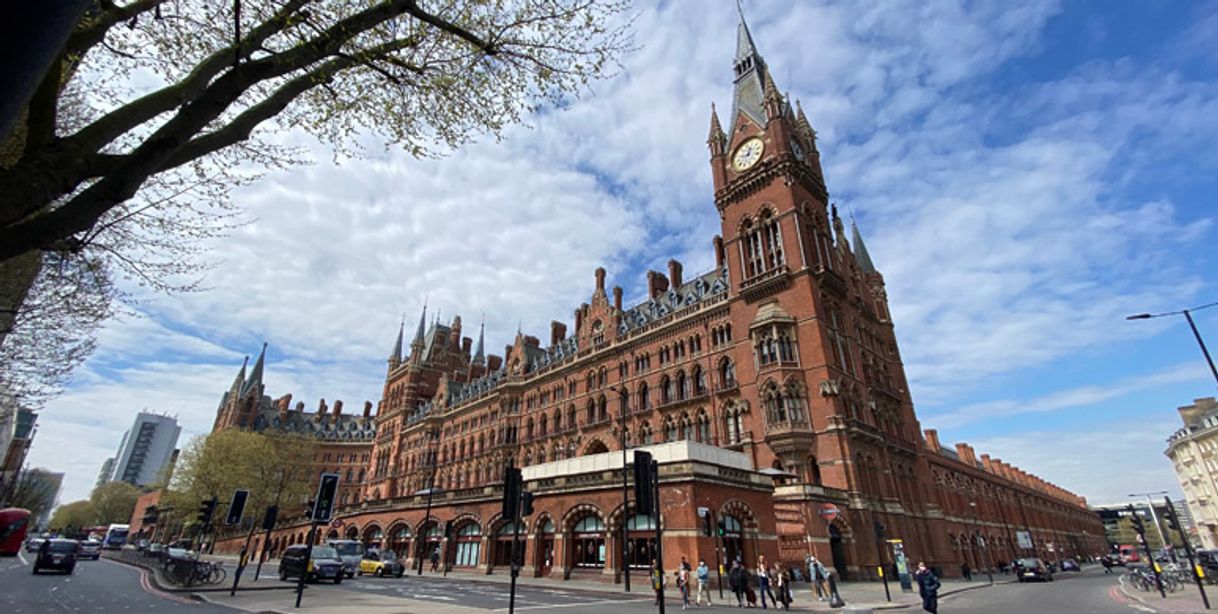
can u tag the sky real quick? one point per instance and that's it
(1024, 175)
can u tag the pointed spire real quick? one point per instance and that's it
(255, 380)
(395, 355)
(772, 99)
(240, 381)
(479, 353)
(860, 251)
(717, 139)
(805, 127)
(418, 333)
(750, 77)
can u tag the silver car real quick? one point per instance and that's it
(351, 552)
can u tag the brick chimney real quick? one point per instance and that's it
(466, 345)
(321, 407)
(367, 409)
(718, 252)
(932, 440)
(558, 332)
(965, 452)
(300, 406)
(617, 298)
(674, 273)
(600, 279)
(338, 408)
(493, 362)
(987, 463)
(657, 284)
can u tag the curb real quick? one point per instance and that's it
(209, 600)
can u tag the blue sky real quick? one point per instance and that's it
(1025, 175)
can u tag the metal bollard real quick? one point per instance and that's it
(835, 600)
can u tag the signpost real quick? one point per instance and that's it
(268, 523)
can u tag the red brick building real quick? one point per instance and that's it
(770, 388)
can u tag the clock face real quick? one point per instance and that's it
(797, 150)
(748, 154)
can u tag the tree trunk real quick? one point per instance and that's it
(16, 278)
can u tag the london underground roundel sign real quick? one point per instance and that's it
(829, 512)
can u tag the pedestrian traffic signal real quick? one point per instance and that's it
(512, 483)
(526, 504)
(1172, 521)
(707, 521)
(206, 509)
(722, 527)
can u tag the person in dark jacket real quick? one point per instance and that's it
(737, 580)
(928, 588)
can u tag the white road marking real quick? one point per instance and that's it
(1142, 608)
(573, 605)
(22, 557)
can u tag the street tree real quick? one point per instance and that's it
(113, 502)
(34, 490)
(274, 467)
(155, 110)
(76, 514)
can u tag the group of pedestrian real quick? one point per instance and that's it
(685, 576)
(773, 584)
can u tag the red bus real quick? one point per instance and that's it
(13, 523)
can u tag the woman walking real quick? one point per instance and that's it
(737, 581)
(763, 582)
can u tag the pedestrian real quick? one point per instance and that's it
(763, 582)
(966, 571)
(782, 580)
(928, 588)
(737, 579)
(1107, 563)
(818, 573)
(703, 574)
(658, 580)
(682, 575)
(435, 559)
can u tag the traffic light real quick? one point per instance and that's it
(512, 483)
(236, 508)
(448, 528)
(1139, 525)
(526, 504)
(707, 521)
(206, 509)
(644, 490)
(268, 520)
(722, 528)
(327, 491)
(1173, 522)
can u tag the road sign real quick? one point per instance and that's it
(337, 523)
(703, 512)
(829, 512)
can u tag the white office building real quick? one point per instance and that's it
(146, 449)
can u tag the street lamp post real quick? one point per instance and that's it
(989, 573)
(625, 486)
(1187, 313)
(433, 435)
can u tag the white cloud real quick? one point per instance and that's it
(995, 216)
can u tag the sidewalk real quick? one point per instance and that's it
(857, 595)
(1187, 599)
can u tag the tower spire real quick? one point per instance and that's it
(860, 250)
(717, 140)
(479, 353)
(395, 355)
(749, 94)
(255, 380)
(240, 381)
(418, 333)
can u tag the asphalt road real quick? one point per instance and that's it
(95, 586)
(1091, 592)
(491, 595)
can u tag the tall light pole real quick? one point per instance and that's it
(1187, 313)
(1153, 516)
(621, 394)
(433, 437)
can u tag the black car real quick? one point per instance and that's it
(89, 549)
(57, 554)
(1033, 569)
(324, 564)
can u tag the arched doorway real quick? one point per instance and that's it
(502, 554)
(588, 543)
(596, 447)
(399, 541)
(469, 545)
(837, 549)
(333, 534)
(733, 540)
(429, 542)
(640, 541)
(544, 550)
(352, 532)
(373, 536)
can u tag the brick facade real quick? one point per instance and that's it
(783, 355)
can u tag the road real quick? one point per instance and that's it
(1091, 592)
(95, 586)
